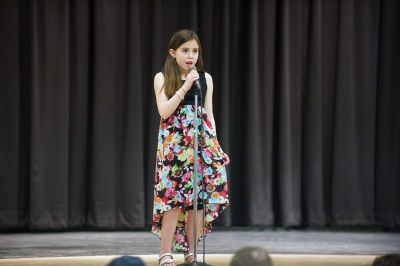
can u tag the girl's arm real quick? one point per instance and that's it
(209, 109)
(167, 106)
(208, 103)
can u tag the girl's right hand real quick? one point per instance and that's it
(190, 78)
(227, 160)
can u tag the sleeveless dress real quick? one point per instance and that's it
(174, 168)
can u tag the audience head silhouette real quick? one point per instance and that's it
(253, 256)
(127, 261)
(387, 260)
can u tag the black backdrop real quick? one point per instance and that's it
(306, 103)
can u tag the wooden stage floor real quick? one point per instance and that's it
(287, 247)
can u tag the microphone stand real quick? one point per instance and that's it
(195, 191)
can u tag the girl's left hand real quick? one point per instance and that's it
(227, 160)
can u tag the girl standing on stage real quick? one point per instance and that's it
(173, 191)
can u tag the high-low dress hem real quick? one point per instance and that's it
(174, 169)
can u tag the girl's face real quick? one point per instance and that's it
(186, 55)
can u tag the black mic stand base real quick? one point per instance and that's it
(195, 263)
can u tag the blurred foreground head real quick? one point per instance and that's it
(251, 256)
(127, 261)
(387, 260)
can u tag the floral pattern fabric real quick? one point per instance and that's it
(174, 169)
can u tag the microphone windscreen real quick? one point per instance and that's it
(196, 82)
(192, 68)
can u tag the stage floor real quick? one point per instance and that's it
(306, 247)
(276, 241)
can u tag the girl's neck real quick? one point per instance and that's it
(183, 73)
(183, 76)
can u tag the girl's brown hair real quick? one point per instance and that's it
(172, 76)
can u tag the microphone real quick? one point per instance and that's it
(196, 82)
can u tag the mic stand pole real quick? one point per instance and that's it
(195, 188)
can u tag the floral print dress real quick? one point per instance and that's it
(173, 186)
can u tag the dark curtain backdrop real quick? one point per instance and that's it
(306, 101)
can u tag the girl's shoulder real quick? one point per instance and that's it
(208, 77)
(159, 75)
(158, 81)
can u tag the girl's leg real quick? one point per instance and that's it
(189, 230)
(168, 226)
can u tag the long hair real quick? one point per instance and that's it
(172, 76)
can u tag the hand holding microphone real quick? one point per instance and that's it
(193, 76)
